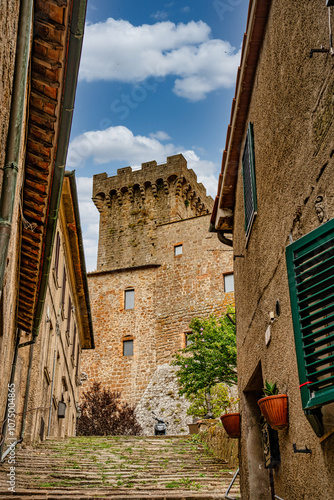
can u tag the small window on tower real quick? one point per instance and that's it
(129, 299)
(127, 347)
(228, 283)
(189, 340)
(178, 249)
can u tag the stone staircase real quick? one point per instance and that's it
(119, 467)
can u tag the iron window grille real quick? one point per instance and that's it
(248, 173)
(310, 264)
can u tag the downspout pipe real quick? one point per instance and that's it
(73, 61)
(221, 235)
(13, 146)
(12, 380)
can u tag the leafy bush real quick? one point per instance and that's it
(104, 414)
(218, 401)
(211, 356)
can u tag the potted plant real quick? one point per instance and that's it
(231, 418)
(274, 407)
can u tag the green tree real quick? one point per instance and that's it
(210, 357)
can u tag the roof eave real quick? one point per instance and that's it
(223, 212)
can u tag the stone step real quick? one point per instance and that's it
(119, 467)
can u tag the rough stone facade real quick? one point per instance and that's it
(143, 216)
(291, 109)
(213, 434)
(56, 354)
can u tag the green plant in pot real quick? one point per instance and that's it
(231, 418)
(274, 406)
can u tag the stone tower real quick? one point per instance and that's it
(133, 204)
(154, 247)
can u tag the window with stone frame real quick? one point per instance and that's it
(228, 282)
(128, 347)
(178, 250)
(188, 339)
(129, 298)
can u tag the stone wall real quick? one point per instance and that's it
(161, 396)
(169, 289)
(291, 109)
(8, 35)
(213, 434)
(133, 203)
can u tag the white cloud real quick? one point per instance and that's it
(160, 15)
(89, 221)
(160, 135)
(120, 144)
(115, 50)
(185, 9)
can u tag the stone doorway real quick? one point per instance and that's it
(260, 482)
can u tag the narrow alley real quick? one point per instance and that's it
(119, 467)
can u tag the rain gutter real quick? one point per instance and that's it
(71, 176)
(13, 146)
(73, 61)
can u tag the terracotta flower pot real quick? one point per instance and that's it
(275, 411)
(231, 423)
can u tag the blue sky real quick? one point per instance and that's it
(156, 78)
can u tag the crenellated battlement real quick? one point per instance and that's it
(171, 178)
(134, 202)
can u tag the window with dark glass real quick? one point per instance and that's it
(74, 340)
(189, 340)
(57, 252)
(127, 347)
(69, 315)
(248, 172)
(129, 299)
(63, 289)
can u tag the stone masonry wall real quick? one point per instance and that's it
(161, 396)
(169, 289)
(132, 204)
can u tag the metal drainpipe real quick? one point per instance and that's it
(12, 379)
(26, 396)
(14, 131)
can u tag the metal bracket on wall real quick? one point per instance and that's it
(303, 450)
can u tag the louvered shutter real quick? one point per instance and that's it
(310, 263)
(248, 172)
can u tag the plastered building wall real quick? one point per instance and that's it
(8, 28)
(169, 289)
(291, 110)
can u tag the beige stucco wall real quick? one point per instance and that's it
(8, 303)
(57, 352)
(291, 110)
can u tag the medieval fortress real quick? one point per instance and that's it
(158, 267)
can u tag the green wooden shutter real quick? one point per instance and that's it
(310, 263)
(248, 172)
